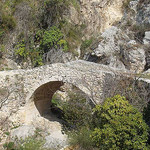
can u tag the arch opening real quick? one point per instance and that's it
(44, 94)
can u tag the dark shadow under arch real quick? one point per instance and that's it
(44, 94)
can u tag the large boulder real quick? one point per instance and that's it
(118, 50)
(143, 12)
(57, 56)
(56, 140)
(146, 39)
(23, 132)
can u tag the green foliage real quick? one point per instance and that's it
(33, 53)
(9, 146)
(54, 38)
(81, 138)
(20, 49)
(85, 44)
(119, 126)
(31, 144)
(63, 44)
(77, 112)
(7, 21)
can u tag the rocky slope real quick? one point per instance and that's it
(125, 45)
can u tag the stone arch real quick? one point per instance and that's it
(43, 95)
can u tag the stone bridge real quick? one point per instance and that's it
(19, 86)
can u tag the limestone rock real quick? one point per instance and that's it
(143, 12)
(116, 49)
(56, 140)
(133, 5)
(146, 39)
(23, 132)
(57, 56)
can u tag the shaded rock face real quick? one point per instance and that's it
(146, 39)
(147, 66)
(57, 56)
(117, 50)
(143, 12)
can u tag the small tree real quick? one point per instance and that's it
(77, 112)
(119, 126)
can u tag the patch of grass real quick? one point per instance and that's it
(7, 133)
(9, 146)
(81, 139)
(29, 143)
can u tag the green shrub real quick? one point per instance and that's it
(34, 54)
(53, 38)
(85, 44)
(20, 49)
(77, 112)
(81, 138)
(64, 45)
(8, 21)
(9, 146)
(31, 144)
(119, 126)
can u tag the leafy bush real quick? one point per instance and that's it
(9, 146)
(134, 90)
(33, 53)
(64, 45)
(53, 38)
(20, 49)
(81, 138)
(85, 44)
(31, 144)
(119, 126)
(77, 112)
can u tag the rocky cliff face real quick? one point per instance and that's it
(88, 18)
(125, 45)
(97, 15)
